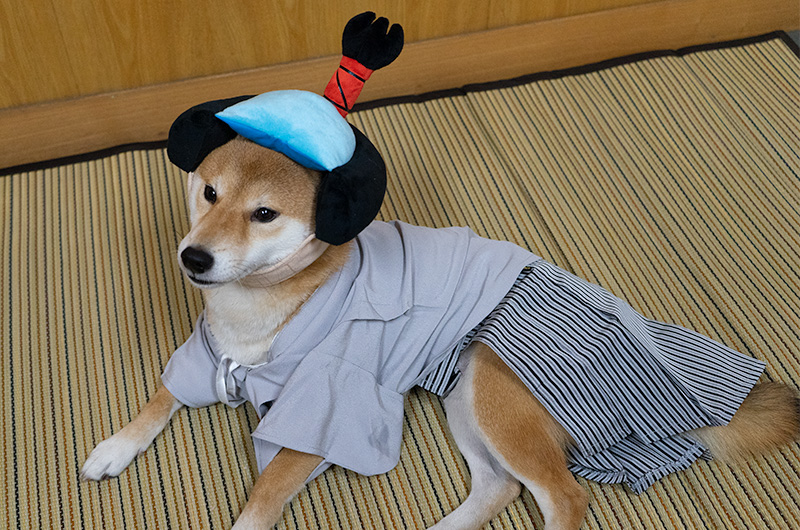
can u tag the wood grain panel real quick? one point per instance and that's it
(55, 50)
(47, 131)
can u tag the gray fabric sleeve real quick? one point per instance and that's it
(334, 409)
(189, 374)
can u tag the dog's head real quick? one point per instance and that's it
(252, 206)
(306, 179)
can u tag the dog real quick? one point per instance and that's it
(251, 208)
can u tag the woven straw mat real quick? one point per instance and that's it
(671, 180)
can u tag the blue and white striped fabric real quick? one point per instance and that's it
(626, 388)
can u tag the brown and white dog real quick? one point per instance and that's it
(250, 208)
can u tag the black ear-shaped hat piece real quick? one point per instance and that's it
(197, 132)
(351, 195)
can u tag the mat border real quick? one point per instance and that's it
(580, 70)
(83, 157)
(437, 94)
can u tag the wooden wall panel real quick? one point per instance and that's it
(52, 50)
(63, 128)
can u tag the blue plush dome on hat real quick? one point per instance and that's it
(302, 125)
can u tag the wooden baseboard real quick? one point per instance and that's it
(65, 128)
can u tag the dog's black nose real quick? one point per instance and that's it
(197, 260)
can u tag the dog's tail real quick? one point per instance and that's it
(768, 418)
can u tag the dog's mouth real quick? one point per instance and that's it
(198, 281)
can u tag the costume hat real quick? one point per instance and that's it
(309, 129)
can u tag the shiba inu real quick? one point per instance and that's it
(322, 319)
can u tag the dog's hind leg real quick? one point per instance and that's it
(492, 486)
(113, 455)
(527, 440)
(522, 436)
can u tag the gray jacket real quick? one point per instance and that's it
(336, 374)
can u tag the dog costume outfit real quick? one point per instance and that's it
(399, 313)
(410, 299)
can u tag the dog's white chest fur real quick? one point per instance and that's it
(243, 323)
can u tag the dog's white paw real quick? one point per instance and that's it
(251, 523)
(111, 457)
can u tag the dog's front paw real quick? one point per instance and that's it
(251, 523)
(111, 457)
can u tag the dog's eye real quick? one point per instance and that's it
(209, 194)
(264, 215)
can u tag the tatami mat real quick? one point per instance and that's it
(673, 181)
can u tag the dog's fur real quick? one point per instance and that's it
(505, 435)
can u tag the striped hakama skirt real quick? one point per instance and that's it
(626, 388)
